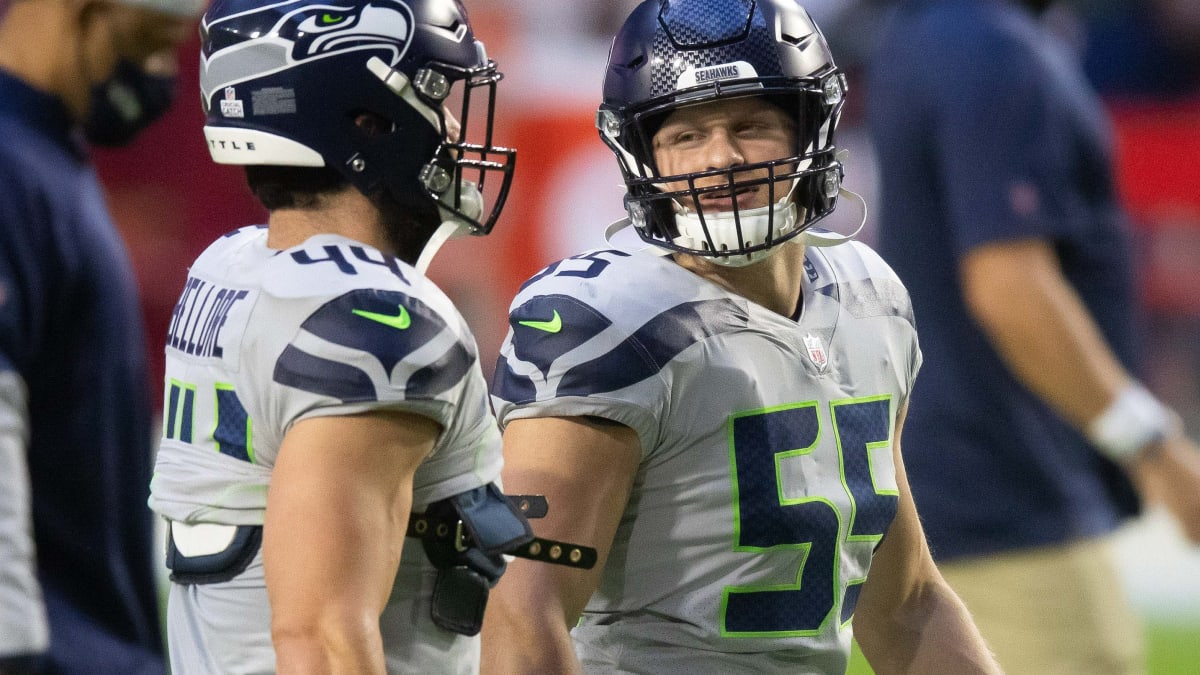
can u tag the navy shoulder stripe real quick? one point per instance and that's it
(299, 369)
(653, 345)
(641, 355)
(549, 326)
(390, 326)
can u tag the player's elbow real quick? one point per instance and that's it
(328, 642)
(525, 633)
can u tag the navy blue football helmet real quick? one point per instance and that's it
(283, 84)
(675, 53)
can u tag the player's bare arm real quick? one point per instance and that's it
(1042, 331)
(337, 511)
(908, 619)
(585, 468)
(1046, 336)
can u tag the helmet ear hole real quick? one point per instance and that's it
(372, 124)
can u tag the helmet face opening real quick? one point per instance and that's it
(672, 55)
(290, 83)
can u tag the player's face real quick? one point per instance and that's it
(720, 135)
(453, 127)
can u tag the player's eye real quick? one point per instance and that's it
(682, 136)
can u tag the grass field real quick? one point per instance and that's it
(1171, 649)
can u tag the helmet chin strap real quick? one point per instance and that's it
(829, 238)
(447, 230)
(616, 227)
(453, 225)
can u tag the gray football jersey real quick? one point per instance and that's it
(767, 477)
(262, 339)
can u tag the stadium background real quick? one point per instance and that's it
(169, 201)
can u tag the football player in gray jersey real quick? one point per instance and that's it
(719, 412)
(324, 399)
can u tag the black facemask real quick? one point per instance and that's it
(125, 104)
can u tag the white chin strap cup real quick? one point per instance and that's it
(808, 237)
(725, 229)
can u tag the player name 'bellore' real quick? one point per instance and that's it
(199, 316)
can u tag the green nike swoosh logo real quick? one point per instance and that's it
(552, 326)
(399, 321)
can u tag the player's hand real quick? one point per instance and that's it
(1170, 475)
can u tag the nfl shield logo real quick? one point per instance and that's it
(231, 106)
(816, 351)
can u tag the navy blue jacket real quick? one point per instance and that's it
(71, 328)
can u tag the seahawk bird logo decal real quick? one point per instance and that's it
(281, 36)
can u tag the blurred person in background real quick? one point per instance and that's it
(77, 583)
(1142, 49)
(719, 411)
(1030, 439)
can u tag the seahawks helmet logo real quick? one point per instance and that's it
(247, 45)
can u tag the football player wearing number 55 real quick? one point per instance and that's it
(719, 412)
(319, 387)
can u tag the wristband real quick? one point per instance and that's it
(1132, 421)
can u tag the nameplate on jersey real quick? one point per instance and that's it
(208, 321)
